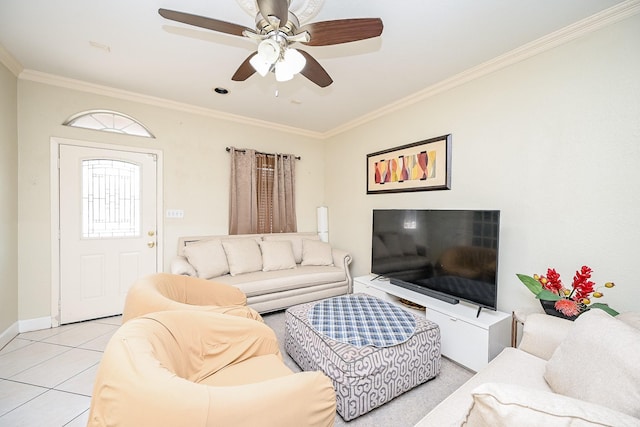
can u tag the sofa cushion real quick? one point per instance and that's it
(277, 255)
(296, 242)
(316, 252)
(208, 258)
(243, 255)
(506, 405)
(598, 362)
(270, 282)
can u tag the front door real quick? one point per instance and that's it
(107, 228)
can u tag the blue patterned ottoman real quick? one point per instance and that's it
(364, 376)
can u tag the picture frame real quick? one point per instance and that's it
(419, 166)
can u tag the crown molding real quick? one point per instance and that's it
(73, 84)
(581, 28)
(10, 62)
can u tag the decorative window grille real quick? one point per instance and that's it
(110, 199)
(108, 121)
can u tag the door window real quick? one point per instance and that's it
(110, 199)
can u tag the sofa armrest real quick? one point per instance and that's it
(542, 334)
(180, 265)
(342, 259)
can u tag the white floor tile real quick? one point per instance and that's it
(81, 383)
(60, 368)
(97, 344)
(46, 333)
(53, 408)
(82, 333)
(28, 356)
(13, 394)
(113, 320)
(80, 421)
(15, 344)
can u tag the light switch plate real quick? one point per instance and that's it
(175, 213)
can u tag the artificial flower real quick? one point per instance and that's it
(570, 302)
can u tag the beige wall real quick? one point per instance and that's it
(196, 172)
(553, 142)
(8, 200)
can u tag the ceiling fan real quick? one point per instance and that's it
(276, 30)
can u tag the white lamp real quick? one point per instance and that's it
(323, 223)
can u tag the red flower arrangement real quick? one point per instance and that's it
(570, 302)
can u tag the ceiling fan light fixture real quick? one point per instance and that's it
(269, 50)
(260, 65)
(294, 60)
(283, 72)
(292, 63)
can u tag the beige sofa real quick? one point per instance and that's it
(582, 373)
(197, 368)
(274, 271)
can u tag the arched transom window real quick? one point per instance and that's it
(108, 121)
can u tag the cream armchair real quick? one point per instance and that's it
(193, 368)
(163, 291)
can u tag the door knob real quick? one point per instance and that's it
(151, 244)
(151, 233)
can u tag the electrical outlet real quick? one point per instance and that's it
(175, 213)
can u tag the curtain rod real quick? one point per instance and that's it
(260, 152)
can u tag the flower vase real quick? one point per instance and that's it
(550, 309)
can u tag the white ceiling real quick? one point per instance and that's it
(424, 42)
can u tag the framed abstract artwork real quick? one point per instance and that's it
(420, 166)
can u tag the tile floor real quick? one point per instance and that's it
(46, 377)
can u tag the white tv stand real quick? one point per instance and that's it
(466, 339)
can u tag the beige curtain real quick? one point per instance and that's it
(262, 198)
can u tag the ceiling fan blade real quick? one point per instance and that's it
(314, 71)
(277, 8)
(327, 33)
(203, 22)
(245, 70)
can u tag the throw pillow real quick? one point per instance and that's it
(316, 252)
(277, 255)
(208, 258)
(243, 255)
(598, 362)
(507, 405)
(296, 242)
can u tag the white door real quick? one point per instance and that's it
(107, 228)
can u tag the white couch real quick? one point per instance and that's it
(275, 271)
(582, 373)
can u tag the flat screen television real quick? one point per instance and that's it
(451, 255)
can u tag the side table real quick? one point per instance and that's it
(518, 318)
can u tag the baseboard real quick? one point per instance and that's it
(34, 324)
(9, 334)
